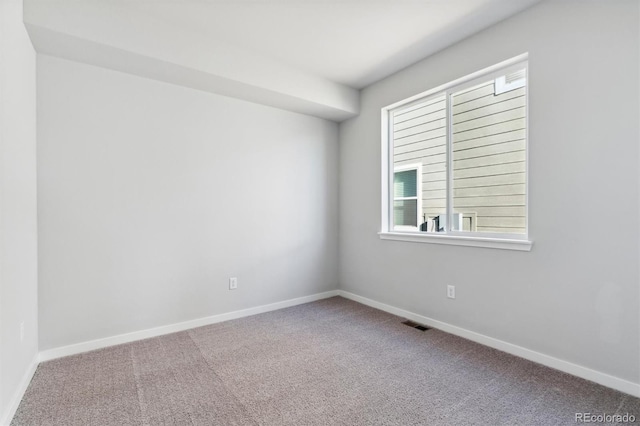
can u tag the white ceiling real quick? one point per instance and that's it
(308, 56)
(352, 42)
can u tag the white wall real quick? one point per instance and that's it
(152, 195)
(18, 236)
(575, 296)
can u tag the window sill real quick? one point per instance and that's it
(455, 240)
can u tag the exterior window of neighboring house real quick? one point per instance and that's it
(455, 162)
(406, 199)
(508, 82)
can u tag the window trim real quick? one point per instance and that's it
(458, 240)
(491, 240)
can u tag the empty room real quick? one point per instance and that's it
(312, 212)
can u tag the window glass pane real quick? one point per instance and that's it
(405, 184)
(405, 213)
(419, 137)
(489, 158)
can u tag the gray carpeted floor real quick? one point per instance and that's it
(331, 362)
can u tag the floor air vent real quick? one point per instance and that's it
(416, 325)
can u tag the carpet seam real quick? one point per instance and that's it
(245, 410)
(622, 401)
(136, 373)
(176, 379)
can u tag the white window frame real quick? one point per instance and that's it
(450, 237)
(418, 168)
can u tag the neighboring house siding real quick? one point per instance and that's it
(419, 136)
(489, 156)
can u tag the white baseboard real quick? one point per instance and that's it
(50, 354)
(604, 379)
(5, 420)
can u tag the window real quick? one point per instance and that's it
(506, 83)
(407, 205)
(455, 162)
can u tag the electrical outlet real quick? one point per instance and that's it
(233, 283)
(22, 331)
(451, 291)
